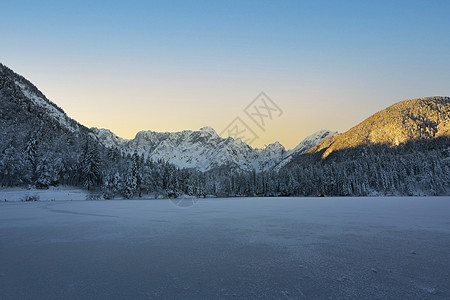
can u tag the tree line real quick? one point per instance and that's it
(416, 168)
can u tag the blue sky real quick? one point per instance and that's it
(173, 65)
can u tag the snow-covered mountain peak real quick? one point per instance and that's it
(209, 130)
(239, 142)
(107, 137)
(274, 147)
(312, 140)
(321, 134)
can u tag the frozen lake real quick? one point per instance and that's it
(276, 248)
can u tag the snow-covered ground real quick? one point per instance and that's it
(51, 194)
(244, 248)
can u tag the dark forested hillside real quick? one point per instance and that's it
(420, 167)
(39, 144)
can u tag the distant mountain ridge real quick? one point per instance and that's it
(205, 149)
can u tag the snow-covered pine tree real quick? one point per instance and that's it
(132, 179)
(30, 152)
(90, 165)
(12, 167)
(44, 171)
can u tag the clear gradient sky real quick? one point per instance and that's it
(174, 65)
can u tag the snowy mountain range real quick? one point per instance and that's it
(402, 150)
(205, 149)
(26, 109)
